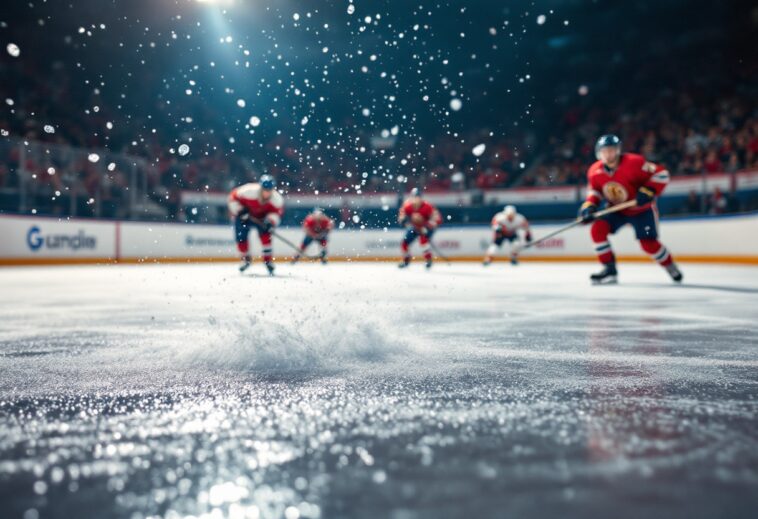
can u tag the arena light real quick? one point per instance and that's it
(223, 3)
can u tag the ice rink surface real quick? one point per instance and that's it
(357, 390)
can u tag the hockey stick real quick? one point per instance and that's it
(438, 253)
(578, 221)
(434, 247)
(283, 239)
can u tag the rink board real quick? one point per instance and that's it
(29, 240)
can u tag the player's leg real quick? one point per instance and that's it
(599, 232)
(323, 242)
(241, 232)
(511, 241)
(304, 245)
(497, 241)
(410, 237)
(268, 257)
(426, 246)
(646, 230)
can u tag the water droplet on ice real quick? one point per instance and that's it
(479, 149)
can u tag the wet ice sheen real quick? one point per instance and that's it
(359, 390)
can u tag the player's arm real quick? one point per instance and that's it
(402, 216)
(588, 209)
(275, 210)
(235, 205)
(656, 179)
(527, 231)
(435, 219)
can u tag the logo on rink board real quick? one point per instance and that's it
(36, 240)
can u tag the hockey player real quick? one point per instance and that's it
(316, 226)
(506, 225)
(257, 205)
(421, 219)
(617, 177)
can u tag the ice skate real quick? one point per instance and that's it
(607, 276)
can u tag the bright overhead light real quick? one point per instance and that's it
(216, 2)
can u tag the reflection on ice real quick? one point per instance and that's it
(376, 393)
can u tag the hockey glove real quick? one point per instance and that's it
(528, 237)
(587, 212)
(645, 195)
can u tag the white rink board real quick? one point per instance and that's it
(32, 237)
(39, 238)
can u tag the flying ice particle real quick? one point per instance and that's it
(583, 90)
(541, 19)
(350, 9)
(479, 149)
(304, 120)
(13, 50)
(93, 157)
(241, 103)
(183, 150)
(111, 166)
(455, 104)
(296, 16)
(255, 121)
(49, 129)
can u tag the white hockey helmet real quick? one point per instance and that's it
(510, 210)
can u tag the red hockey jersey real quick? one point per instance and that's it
(425, 216)
(248, 196)
(622, 184)
(316, 225)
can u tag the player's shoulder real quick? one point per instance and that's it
(596, 168)
(633, 159)
(249, 190)
(277, 199)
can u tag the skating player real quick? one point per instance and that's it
(421, 219)
(617, 177)
(316, 226)
(259, 206)
(505, 226)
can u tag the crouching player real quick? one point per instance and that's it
(316, 226)
(421, 219)
(506, 225)
(616, 178)
(259, 206)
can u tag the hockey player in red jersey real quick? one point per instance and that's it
(259, 206)
(505, 226)
(316, 226)
(421, 220)
(616, 178)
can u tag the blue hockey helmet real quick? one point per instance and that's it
(605, 141)
(267, 182)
